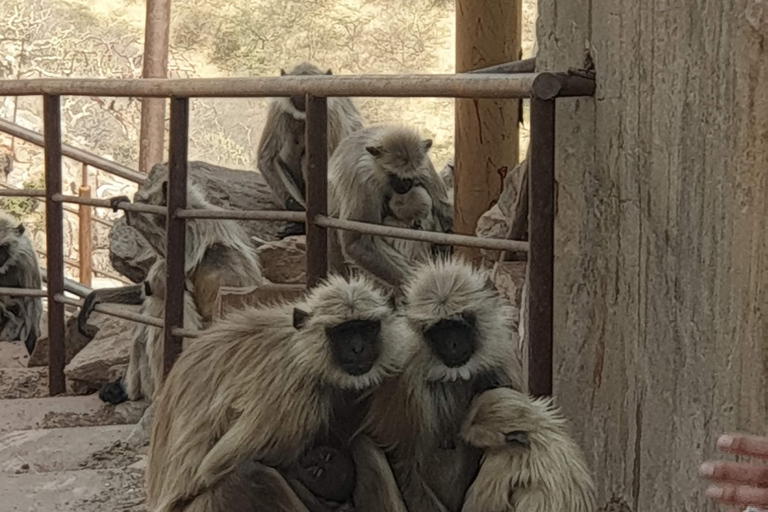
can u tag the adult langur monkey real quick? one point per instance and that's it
(262, 387)
(281, 157)
(365, 171)
(467, 346)
(19, 316)
(218, 253)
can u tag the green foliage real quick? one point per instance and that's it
(21, 207)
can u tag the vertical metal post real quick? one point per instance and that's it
(317, 187)
(176, 230)
(85, 231)
(54, 232)
(541, 234)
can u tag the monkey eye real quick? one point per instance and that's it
(517, 438)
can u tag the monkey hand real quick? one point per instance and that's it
(89, 304)
(293, 205)
(114, 202)
(291, 229)
(113, 393)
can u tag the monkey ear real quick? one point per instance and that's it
(20, 229)
(426, 143)
(517, 437)
(300, 318)
(329, 72)
(282, 72)
(374, 150)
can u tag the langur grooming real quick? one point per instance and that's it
(261, 386)
(19, 316)
(218, 253)
(281, 157)
(530, 463)
(365, 171)
(467, 345)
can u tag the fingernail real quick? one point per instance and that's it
(725, 441)
(707, 469)
(714, 492)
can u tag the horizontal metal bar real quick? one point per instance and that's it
(104, 203)
(185, 333)
(446, 86)
(22, 292)
(69, 285)
(276, 215)
(22, 192)
(422, 236)
(73, 152)
(517, 66)
(112, 310)
(548, 86)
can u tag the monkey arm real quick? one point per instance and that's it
(269, 151)
(376, 489)
(312, 502)
(379, 259)
(133, 295)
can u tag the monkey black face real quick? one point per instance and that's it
(400, 185)
(453, 340)
(517, 438)
(5, 253)
(355, 345)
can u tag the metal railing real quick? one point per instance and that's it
(542, 88)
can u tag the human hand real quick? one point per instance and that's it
(736, 483)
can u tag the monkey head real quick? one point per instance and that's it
(400, 158)
(11, 236)
(351, 327)
(413, 207)
(305, 68)
(465, 326)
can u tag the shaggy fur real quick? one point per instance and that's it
(548, 474)
(360, 189)
(19, 316)
(255, 387)
(281, 148)
(411, 210)
(144, 372)
(416, 418)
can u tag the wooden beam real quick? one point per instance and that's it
(156, 35)
(486, 133)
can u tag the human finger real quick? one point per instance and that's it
(752, 446)
(740, 495)
(736, 473)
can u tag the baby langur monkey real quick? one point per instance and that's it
(412, 210)
(530, 463)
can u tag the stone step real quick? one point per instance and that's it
(65, 449)
(90, 490)
(13, 354)
(65, 411)
(22, 382)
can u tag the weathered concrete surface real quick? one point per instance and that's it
(58, 449)
(13, 354)
(74, 341)
(661, 239)
(73, 491)
(62, 411)
(23, 382)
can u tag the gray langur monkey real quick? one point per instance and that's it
(467, 345)
(281, 153)
(530, 463)
(260, 388)
(218, 253)
(19, 316)
(144, 373)
(447, 176)
(365, 171)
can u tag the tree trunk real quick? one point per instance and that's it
(486, 138)
(661, 281)
(156, 34)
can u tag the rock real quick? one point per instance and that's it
(13, 354)
(284, 261)
(496, 221)
(226, 188)
(74, 341)
(139, 435)
(105, 357)
(129, 252)
(131, 412)
(23, 382)
(510, 278)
